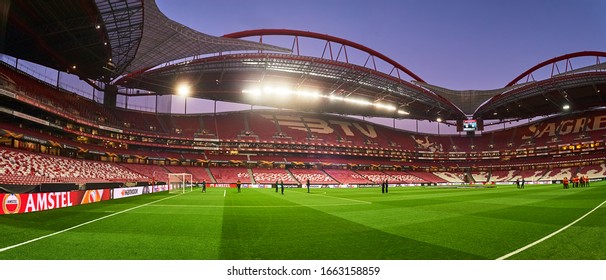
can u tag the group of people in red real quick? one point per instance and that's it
(576, 180)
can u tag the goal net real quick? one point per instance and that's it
(179, 182)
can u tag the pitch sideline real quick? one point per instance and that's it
(550, 235)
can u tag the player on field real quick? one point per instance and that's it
(203, 185)
(582, 181)
(518, 183)
(522, 183)
(282, 186)
(565, 182)
(307, 183)
(238, 185)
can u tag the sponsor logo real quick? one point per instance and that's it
(11, 204)
(323, 127)
(130, 192)
(46, 201)
(92, 196)
(565, 127)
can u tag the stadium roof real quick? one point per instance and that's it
(322, 84)
(132, 44)
(104, 39)
(576, 89)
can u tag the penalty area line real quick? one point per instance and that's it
(82, 224)
(550, 235)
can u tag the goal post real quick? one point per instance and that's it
(180, 182)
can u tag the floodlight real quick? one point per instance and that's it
(566, 107)
(183, 89)
(385, 106)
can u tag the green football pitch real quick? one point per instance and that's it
(333, 224)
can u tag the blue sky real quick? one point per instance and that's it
(468, 44)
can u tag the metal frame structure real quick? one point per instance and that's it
(133, 45)
(224, 77)
(578, 89)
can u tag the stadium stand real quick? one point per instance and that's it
(451, 177)
(269, 176)
(479, 177)
(559, 173)
(22, 167)
(199, 174)
(593, 171)
(230, 175)
(347, 177)
(316, 177)
(148, 171)
(530, 175)
(427, 177)
(338, 141)
(402, 177)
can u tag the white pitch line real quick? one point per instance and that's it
(82, 224)
(550, 235)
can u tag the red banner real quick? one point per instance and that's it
(32, 202)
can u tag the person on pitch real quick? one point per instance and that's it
(203, 186)
(282, 186)
(238, 185)
(518, 183)
(307, 183)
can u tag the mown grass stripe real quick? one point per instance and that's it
(83, 224)
(257, 206)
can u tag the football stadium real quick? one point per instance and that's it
(303, 172)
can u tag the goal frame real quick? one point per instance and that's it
(180, 182)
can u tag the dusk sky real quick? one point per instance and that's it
(469, 44)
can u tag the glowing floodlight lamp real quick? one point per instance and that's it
(183, 89)
(388, 107)
(308, 94)
(358, 101)
(566, 107)
(254, 91)
(336, 98)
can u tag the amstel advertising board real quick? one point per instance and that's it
(32, 202)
